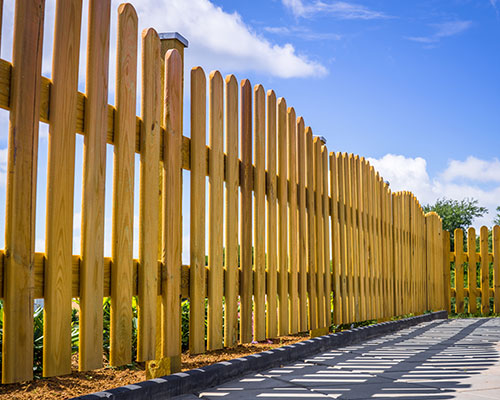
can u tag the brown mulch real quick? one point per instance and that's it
(79, 383)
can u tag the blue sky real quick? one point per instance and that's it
(414, 86)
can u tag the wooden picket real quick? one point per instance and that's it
(294, 238)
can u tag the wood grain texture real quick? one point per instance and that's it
(302, 222)
(123, 188)
(17, 343)
(271, 237)
(459, 271)
(311, 232)
(349, 237)
(283, 327)
(335, 242)
(342, 237)
(94, 175)
(172, 210)
(215, 211)
(326, 238)
(259, 184)
(361, 239)
(60, 186)
(446, 270)
(485, 271)
(292, 221)
(246, 214)
(197, 220)
(318, 226)
(472, 271)
(151, 110)
(231, 223)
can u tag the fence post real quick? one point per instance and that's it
(17, 346)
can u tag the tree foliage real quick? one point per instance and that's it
(457, 213)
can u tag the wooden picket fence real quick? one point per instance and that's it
(298, 238)
(476, 271)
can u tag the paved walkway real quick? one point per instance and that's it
(450, 359)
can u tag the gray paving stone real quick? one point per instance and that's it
(451, 359)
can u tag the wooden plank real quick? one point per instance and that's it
(215, 211)
(439, 272)
(246, 213)
(311, 233)
(123, 188)
(94, 175)
(326, 239)
(335, 242)
(496, 268)
(293, 283)
(60, 185)
(272, 266)
(378, 236)
(472, 272)
(430, 261)
(171, 210)
(151, 111)
(397, 262)
(485, 272)
(231, 216)
(361, 238)
(459, 271)
(259, 319)
(446, 271)
(283, 328)
(301, 177)
(319, 225)
(342, 236)
(197, 218)
(355, 237)
(349, 237)
(17, 345)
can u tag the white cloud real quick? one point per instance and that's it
(461, 179)
(302, 33)
(338, 9)
(473, 169)
(443, 30)
(220, 40)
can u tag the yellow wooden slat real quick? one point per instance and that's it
(311, 232)
(319, 225)
(496, 268)
(259, 320)
(94, 175)
(335, 242)
(326, 238)
(282, 220)
(355, 236)
(17, 344)
(446, 270)
(472, 271)
(485, 272)
(60, 186)
(342, 236)
(302, 245)
(459, 271)
(171, 211)
(246, 214)
(151, 111)
(197, 218)
(215, 211)
(231, 216)
(271, 238)
(361, 239)
(292, 221)
(349, 237)
(123, 189)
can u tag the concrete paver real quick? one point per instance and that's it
(450, 359)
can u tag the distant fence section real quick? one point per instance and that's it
(475, 271)
(299, 238)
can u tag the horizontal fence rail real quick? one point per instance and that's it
(298, 238)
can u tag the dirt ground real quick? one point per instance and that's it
(79, 383)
